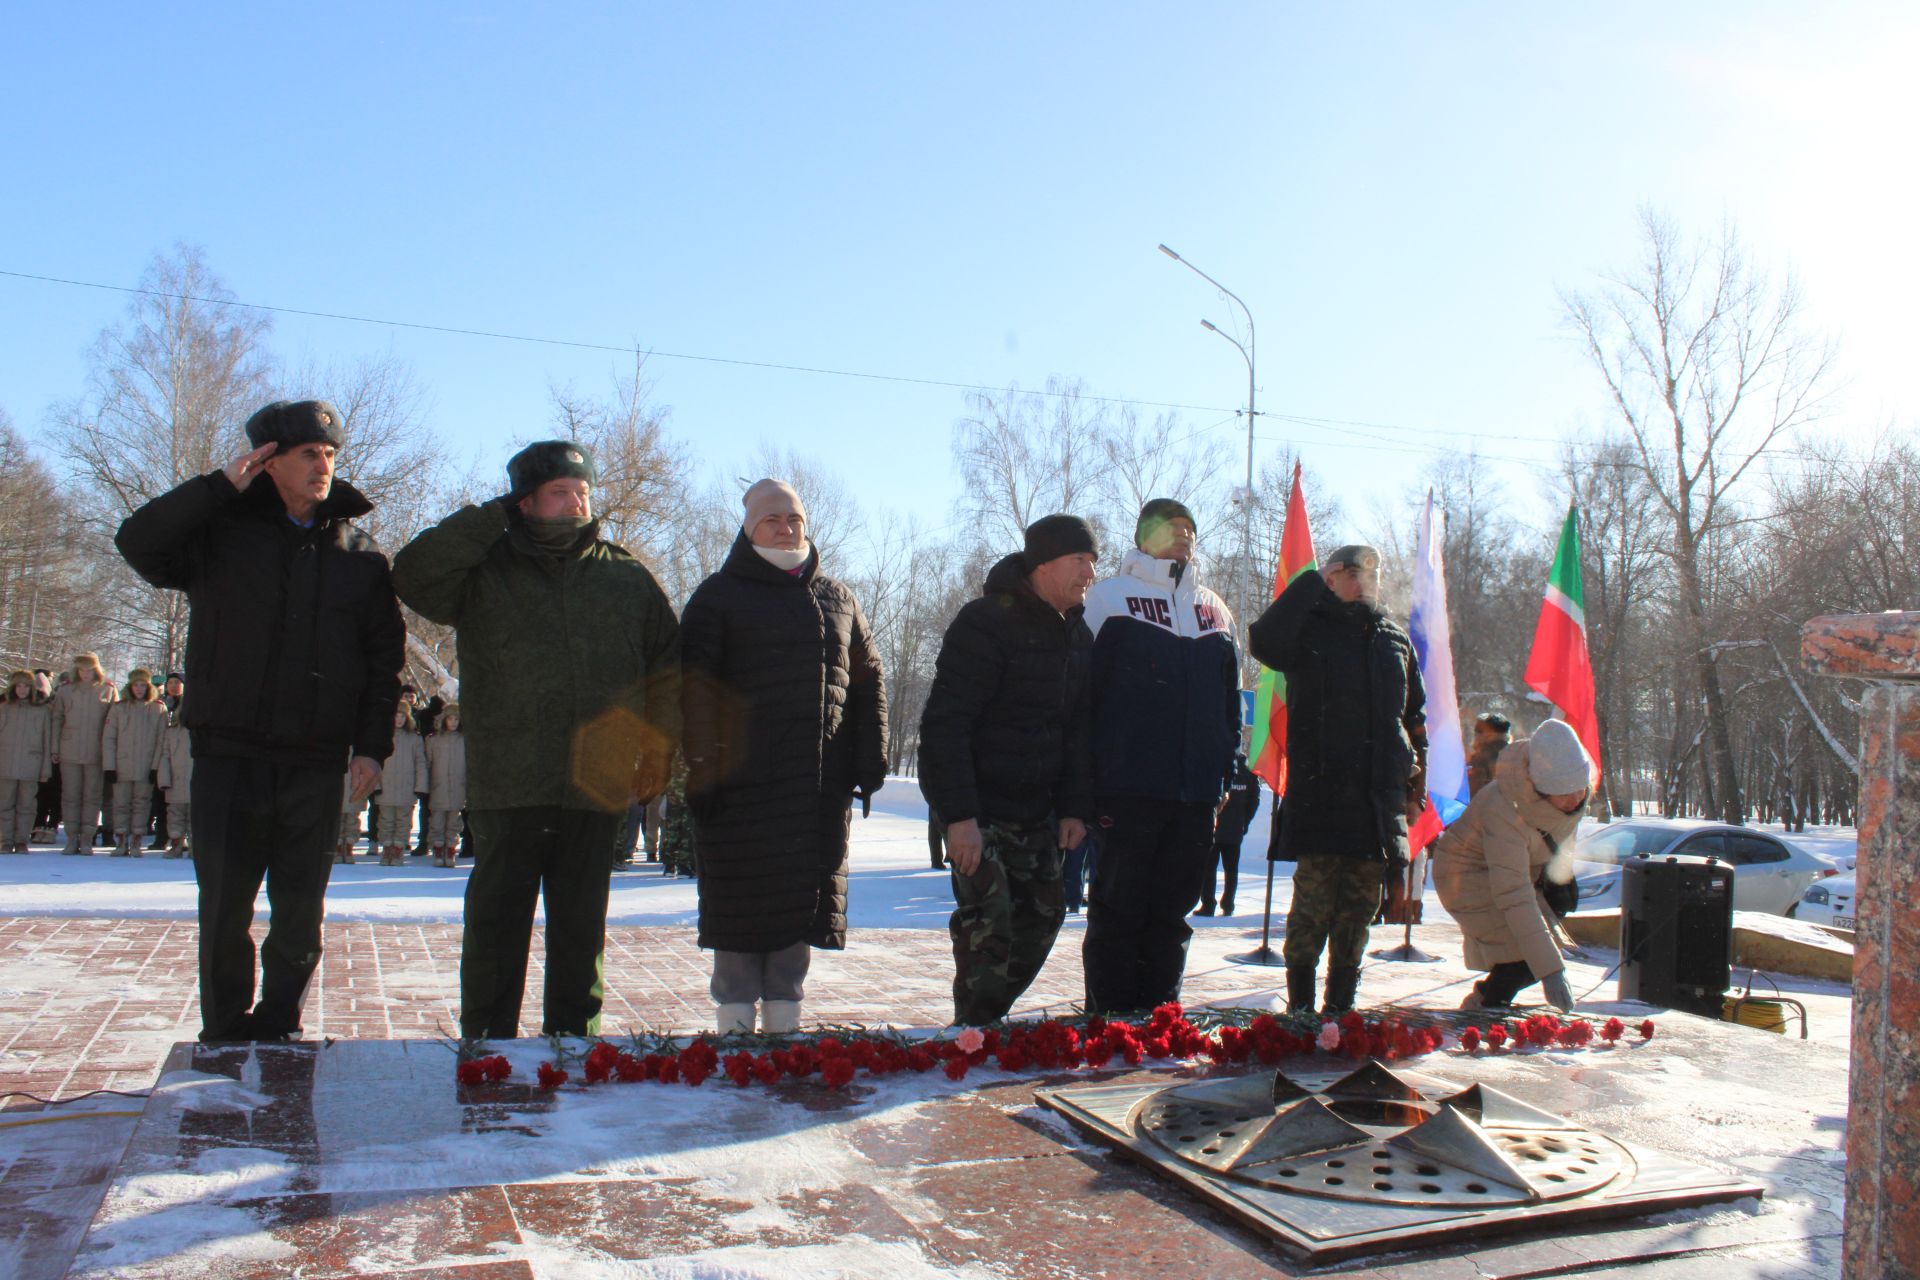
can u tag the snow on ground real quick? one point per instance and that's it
(893, 884)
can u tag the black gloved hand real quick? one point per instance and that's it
(109, 777)
(153, 777)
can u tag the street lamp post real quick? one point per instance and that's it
(1243, 612)
(1264, 954)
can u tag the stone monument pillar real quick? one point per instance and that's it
(1883, 1123)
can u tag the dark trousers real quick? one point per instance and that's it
(253, 819)
(522, 855)
(1155, 855)
(1082, 863)
(1226, 857)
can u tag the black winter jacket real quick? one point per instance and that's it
(1166, 684)
(785, 716)
(1004, 735)
(294, 640)
(1356, 722)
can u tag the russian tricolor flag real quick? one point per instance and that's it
(1447, 792)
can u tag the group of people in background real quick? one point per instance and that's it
(83, 758)
(427, 765)
(1066, 715)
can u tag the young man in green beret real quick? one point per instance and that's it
(569, 659)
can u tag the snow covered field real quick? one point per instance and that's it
(892, 885)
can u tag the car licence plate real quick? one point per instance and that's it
(1843, 922)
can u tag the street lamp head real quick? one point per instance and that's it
(1170, 253)
(1208, 324)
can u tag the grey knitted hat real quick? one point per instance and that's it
(1556, 761)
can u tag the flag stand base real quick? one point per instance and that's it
(1262, 955)
(1406, 953)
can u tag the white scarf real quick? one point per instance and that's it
(785, 558)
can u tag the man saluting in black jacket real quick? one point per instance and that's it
(1356, 763)
(1004, 761)
(294, 646)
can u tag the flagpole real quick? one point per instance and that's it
(1296, 554)
(1264, 954)
(1445, 772)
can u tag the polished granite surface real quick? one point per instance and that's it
(365, 1158)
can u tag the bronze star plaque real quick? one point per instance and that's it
(1337, 1164)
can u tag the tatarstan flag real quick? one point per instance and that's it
(1559, 668)
(1268, 750)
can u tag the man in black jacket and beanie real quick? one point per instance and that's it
(1004, 761)
(1356, 757)
(294, 647)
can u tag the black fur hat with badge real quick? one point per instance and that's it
(546, 460)
(292, 423)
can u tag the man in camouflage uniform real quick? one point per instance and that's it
(1004, 761)
(570, 698)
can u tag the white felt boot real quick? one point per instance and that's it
(780, 1017)
(731, 1018)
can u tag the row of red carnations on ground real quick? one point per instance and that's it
(1050, 1045)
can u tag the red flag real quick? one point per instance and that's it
(1268, 748)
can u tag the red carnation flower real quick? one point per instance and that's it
(836, 1072)
(1470, 1039)
(1646, 1029)
(551, 1076)
(765, 1069)
(1496, 1035)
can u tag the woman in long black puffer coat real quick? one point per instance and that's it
(785, 722)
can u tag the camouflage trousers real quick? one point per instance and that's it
(675, 841)
(1335, 898)
(1006, 916)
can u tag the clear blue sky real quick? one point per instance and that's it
(966, 193)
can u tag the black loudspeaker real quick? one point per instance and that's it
(1676, 932)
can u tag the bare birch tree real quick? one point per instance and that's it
(1708, 365)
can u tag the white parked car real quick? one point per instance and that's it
(1769, 875)
(1829, 901)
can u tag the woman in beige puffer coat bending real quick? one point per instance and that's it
(1489, 863)
(79, 718)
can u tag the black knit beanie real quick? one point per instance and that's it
(1051, 537)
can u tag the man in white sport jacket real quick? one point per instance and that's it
(1165, 724)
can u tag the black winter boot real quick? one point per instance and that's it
(1300, 984)
(1343, 981)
